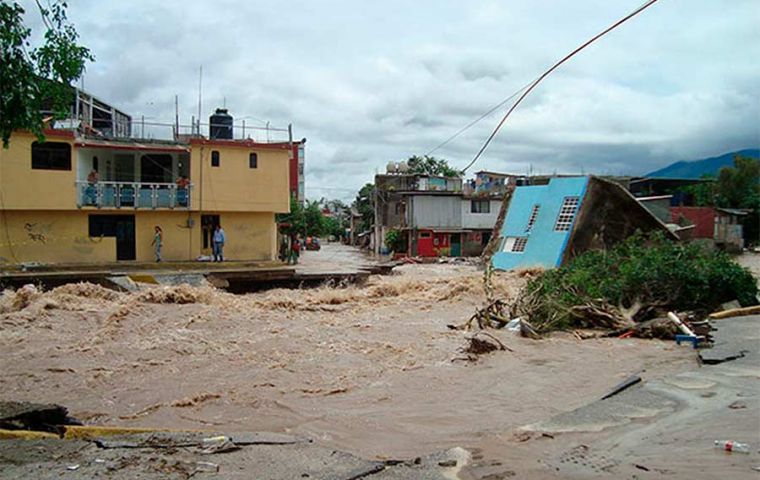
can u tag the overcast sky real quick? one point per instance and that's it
(371, 81)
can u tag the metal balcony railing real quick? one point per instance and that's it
(132, 195)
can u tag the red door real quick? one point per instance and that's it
(425, 244)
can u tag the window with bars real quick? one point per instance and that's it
(515, 244)
(532, 218)
(566, 214)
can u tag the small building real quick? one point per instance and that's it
(434, 215)
(719, 227)
(659, 205)
(547, 225)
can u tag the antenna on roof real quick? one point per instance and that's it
(200, 96)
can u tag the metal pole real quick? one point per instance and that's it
(142, 132)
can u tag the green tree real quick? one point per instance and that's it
(39, 78)
(365, 206)
(315, 221)
(304, 220)
(427, 165)
(738, 186)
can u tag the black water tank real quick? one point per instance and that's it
(220, 124)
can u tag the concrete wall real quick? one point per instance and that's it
(233, 186)
(479, 220)
(63, 236)
(703, 219)
(23, 188)
(435, 211)
(545, 245)
(609, 215)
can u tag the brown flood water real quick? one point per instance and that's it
(372, 370)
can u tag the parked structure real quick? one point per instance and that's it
(547, 225)
(719, 227)
(433, 215)
(85, 197)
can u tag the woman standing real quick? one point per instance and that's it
(158, 238)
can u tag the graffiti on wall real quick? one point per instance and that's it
(38, 233)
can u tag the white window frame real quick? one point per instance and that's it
(566, 214)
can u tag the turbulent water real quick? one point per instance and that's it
(372, 369)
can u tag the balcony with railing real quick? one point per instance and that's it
(134, 195)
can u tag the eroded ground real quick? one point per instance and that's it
(372, 370)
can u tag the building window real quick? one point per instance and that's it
(214, 158)
(253, 160)
(532, 219)
(566, 214)
(51, 156)
(480, 206)
(515, 244)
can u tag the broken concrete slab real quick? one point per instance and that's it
(121, 283)
(687, 413)
(192, 279)
(34, 416)
(733, 338)
(76, 459)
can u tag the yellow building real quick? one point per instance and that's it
(54, 210)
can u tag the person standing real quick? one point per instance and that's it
(158, 238)
(218, 244)
(295, 250)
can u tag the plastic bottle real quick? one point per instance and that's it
(731, 446)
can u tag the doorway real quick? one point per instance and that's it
(208, 225)
(456, 244)
(122, 227)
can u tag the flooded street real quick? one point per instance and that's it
(370, 369)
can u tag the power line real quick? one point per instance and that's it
(485, 115)
(550, 70)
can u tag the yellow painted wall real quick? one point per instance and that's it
(50, 237)
(63, 237)
(23, 188)
(233, 186)
(250, 236)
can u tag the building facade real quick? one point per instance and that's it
(78, 198)
(548, 225)
(434, 216)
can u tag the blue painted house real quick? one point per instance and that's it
(547, 225)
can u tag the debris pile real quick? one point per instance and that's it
(627, 290)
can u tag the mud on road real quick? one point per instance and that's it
(371, 369)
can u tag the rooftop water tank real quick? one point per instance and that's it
(220, 125)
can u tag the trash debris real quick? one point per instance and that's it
(220, 444)
(628, 382)
(73, 467)
(206, 467)
(731, 446)
(514, 325)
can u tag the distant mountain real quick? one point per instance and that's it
(697, 168)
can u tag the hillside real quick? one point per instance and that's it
(697, 168)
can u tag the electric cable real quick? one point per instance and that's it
(549, 71)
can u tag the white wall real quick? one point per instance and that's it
(479, 220)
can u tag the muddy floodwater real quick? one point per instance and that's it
(373, 370)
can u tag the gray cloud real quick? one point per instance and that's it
(378, 81)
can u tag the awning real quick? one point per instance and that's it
(131, 145)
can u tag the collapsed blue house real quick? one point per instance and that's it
(547, 225)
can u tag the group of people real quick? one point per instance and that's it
(218, 240)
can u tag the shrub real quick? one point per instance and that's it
(636, 280)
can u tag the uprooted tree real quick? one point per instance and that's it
(637, 280)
